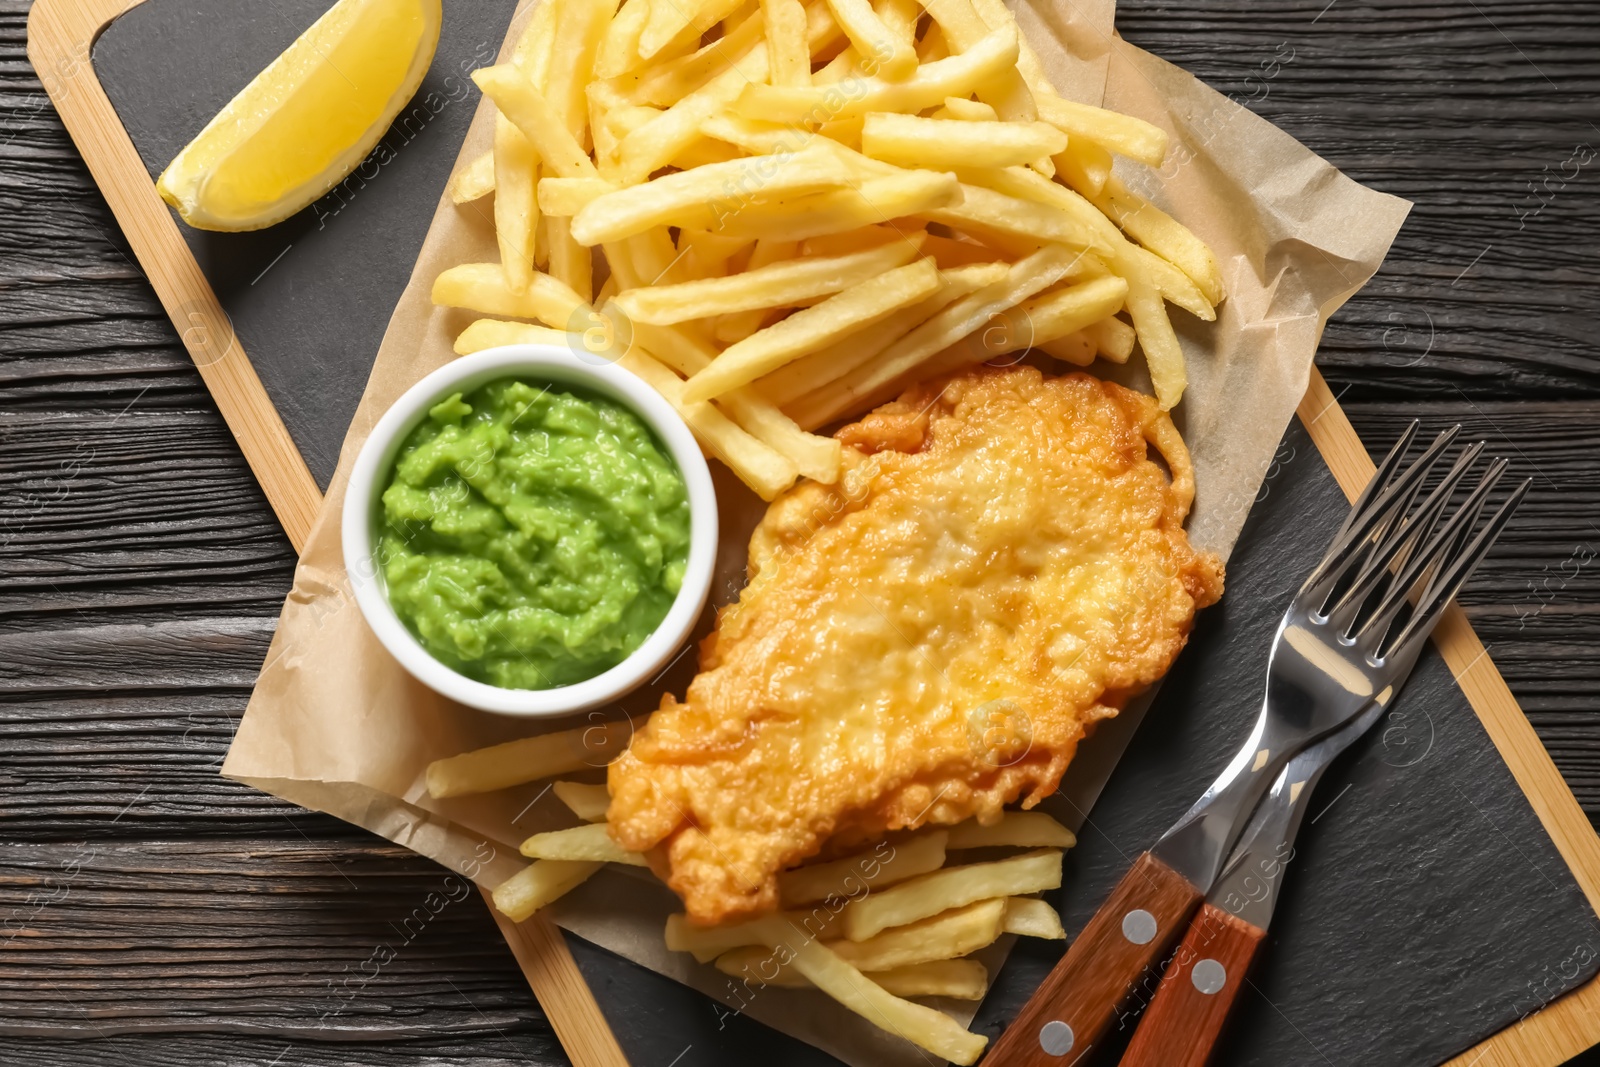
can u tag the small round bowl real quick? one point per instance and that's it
(559, 366)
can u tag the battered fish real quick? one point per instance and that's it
(1000, 567)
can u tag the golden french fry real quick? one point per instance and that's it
(525, 892)
(788, 51)
(764, 469)
(944, 936)
(706, 943)
(484, 770)
(874, 869)
(1024, 278)
(1085, 166)
(619, 47)
(1164, 236)
(1112, 338)
(739, 325)
(794, 380)
(1174, 285)
(669, 18)
(667, 83)
(934, 47)
(960, 75)
(1074, 348)
(1162, 353)
(1024, 829)
(708, 256)
(956, 979)
(653, 145)
(580, 25)
(568, 196)
(957, 28)
(957, 107)
(900, 17)
(546, 130)
(1111, 130)
(474, 180)
(777, 285)
(839, 244)
(703, 196)
(982, 209)
(952, 887)
(492, 333)
(882, 51)
(588, 802)
(813, 328)
(921, 1025)
(950, 253)
(1053, 315)
(944, 144)
(516, 209)
(570, 262)
(482, 287)
(1031, 917)
(591, 844)
(880, 200)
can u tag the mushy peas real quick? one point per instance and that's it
(533, 536)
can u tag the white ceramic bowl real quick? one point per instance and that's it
(557, 365)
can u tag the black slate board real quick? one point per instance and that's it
(1426, 908)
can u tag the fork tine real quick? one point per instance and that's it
(1359, 526)
(1447, 581)
(1445, 541)
(1380, 477)
(1408, 536)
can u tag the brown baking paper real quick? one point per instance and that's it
(336, 725)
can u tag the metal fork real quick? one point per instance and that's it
(1346, 643)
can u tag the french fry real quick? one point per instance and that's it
(580, 26)
(516, 208)
(706, 256)
(587, 802)
(739, 325)
(568, 196)
(913, 192)
(665, 84)
(871, 870)
(474, 180)
(945, 144)
(669, 18)
(812, 456)
(1025, 829)
(702, 195)
(1111, 130)
(956, 979)
(570, 262)
(1024, 184)
(706, 943)
(1112, 338)
(764, 469)
(538, 884)
(619, 47)
(813, 328)
(492, 333)
(484, 770)
(1162, 353)
(952, 887)
(900, 17)
(1024, 278)
(792, 381)
(1031, 917)
(947, 935)
(788, 51)
(950, 253)
(984, 209)
(1172, 283)
(1074, 348)
(839, 244)
(1053, 315)
(776, 285)
(653, 145)
(957, 28)
(960, 75)
(1164, 236)
(591, 844)
(883, 52)
(1085, 166)
(484, 288)
(956, 107)
(538, 120)
(921, 1025)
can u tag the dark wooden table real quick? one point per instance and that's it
(153, 912)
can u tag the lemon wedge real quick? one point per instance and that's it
(306, 121)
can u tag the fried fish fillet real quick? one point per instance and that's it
(1000, 567)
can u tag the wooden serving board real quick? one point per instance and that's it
(1446, 886)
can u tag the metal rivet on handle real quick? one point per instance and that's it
(1056, 1038)
(1209, 976)
(1139, 926)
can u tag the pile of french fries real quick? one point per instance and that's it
(898, 920)
(805, 206)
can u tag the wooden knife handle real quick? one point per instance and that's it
(1202, 982)
(1110, 970)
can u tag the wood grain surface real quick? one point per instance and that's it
(152, 912)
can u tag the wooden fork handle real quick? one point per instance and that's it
(1107, 974)
(1201, 984)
